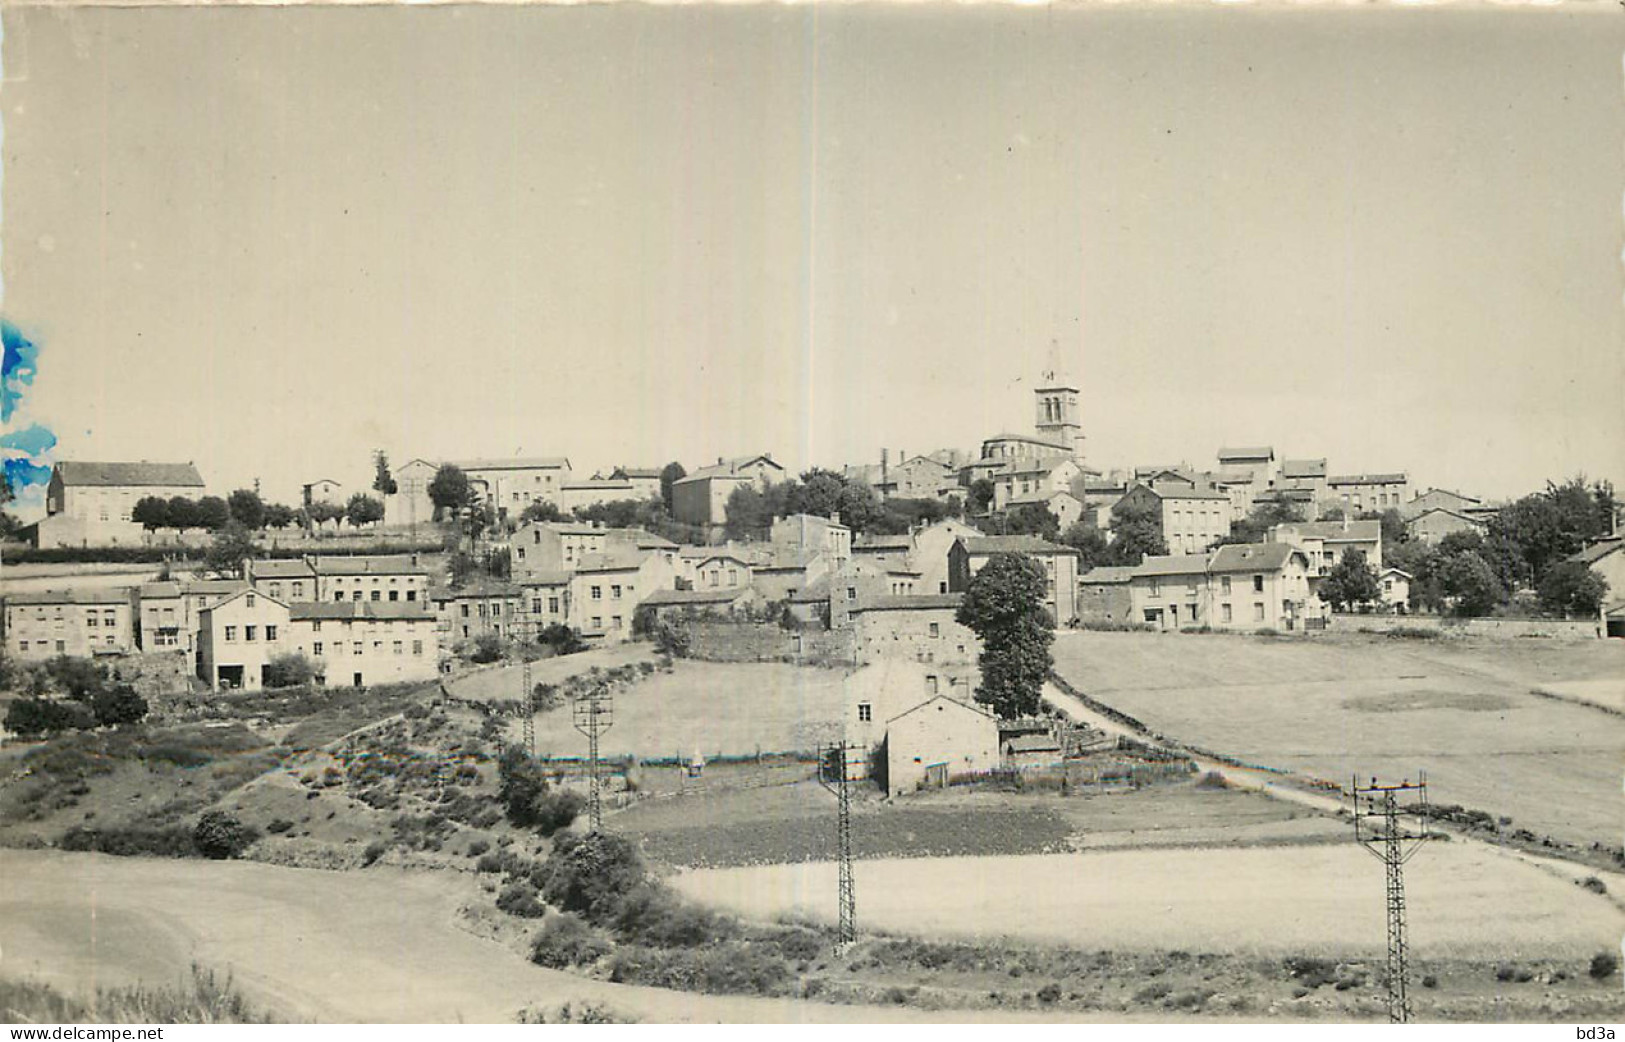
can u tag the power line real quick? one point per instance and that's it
(1393, 835)
(530, 710)
(846, 892)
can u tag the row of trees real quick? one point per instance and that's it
(751, 510)
(86, 696)
(244, 507)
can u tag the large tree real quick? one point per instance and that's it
(383, 482)
(450, 491)
(1090, 543)
(279, 515)
(151, 513)
(1004, 605)
(363, 510)
(670, 475)
(980, 495)
(1470, 584)
(212, 513)
(1136, 533)
(1264, 516)
(247, 509)
(1032, 519)
(1351, 581)
(1572, 588)
(232, 545)
(182, 513)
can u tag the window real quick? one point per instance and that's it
(597, 622)
(465, 611)
(865, 712)
(270, 633)
(399, 648)
(615, 592)
(1224, 613)
(298, 591)
(521, 553)
(316, 649)
(338, 595)
(936, 629)
(733, 577)
(394, 595)
(1156, 587)
(249, 633)
(61, 646)
(411, 595)
(712, 577)
(356, 596)
(615, 622)
(231, 634)
(417, 647)
(316, 627)
(250, 600)
(356, 647)
(851, 593)
(109, 641)
(1224, 586)
(22, 645)
(1258, 611)
(931, 684)
(375, 595)
(275, 590)
(1258, 584)
(553, 605)
(90, 620)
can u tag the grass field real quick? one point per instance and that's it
(714, 708)
(1325, 899)
(1462, 711)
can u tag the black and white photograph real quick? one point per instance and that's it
(910, 513)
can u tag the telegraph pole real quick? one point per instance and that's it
(592, 714)
(846, 897)
(1393, 835)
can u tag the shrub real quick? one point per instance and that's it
(591, 874)
(375, 850)
(487, 648)
(652, 914)
(489, 863)
(289, 670)
(118, 704)
(520, 899)
(37, 717)
(279, 826)
(565, 941)
(133, 841)
(1049, 993)
(1595, 885)
(1430, 981)
(220, 835)
(1311, 972)
(1603, 965)
(478, 847)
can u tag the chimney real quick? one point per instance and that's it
(884, 471)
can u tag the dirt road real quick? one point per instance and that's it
(379, 946)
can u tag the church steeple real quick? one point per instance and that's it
(1058, 417)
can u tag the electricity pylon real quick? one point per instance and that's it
(592, 714)
(529, 725)
(1380, 825)
(846, 896)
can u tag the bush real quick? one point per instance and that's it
(133, 841)
(592, 874)
(478, 847)
(290, 670)
(487, 648)
(1603, 965)
(220, 836)
(37, 717)
(489, 863)
(654, 915)
(118, 704)
(520, 899)
(375, 850)
(279, 826)
(565, 941)
(1595, 885)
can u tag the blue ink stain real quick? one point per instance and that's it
(32, 441)
(18, 367)
(20, 474)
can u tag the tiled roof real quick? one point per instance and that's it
(360, 610)
(1040, 497)
(817, 590)
(1303, 468)
(515, 463)
(1014, 544)
(76, 473)
(598, 485)
(616, 559)
(910, 602)
(1368, 479)
(80, 595)
(728, 468)
(1045, 465)
(1172, 564)
(382, 564)
(1264, 452)
(636, 472)
(641, 539)
(481, 588)
(1598, 550)
(1252, 557)
(544, 578)
(1029, 438)
(882, 542)
(1332, 531)
(284, 568)
(1033, 743)
(665, 597)
(1165, 490)
(1106, 574)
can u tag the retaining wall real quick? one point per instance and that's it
(1551, 629)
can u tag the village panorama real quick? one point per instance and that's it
(948, 734)
(921, 514)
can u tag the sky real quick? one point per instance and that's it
(273, 240)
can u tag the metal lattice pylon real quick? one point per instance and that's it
(529, 725)
(1380, 826)
(593, 714)
(846, 890)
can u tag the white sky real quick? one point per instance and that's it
(273, 239)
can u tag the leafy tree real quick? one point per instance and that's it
(488, 647)
(363, 510)
(1136, 533)
(1540, 530)
(1351, 581)
(750, 512)
(541, 511)
(383, 482)
(981, 495)
(1004, 605)
(78, 678)
(247, 509)
(524, 793)
(1333, 512)
(449, 490)
(1032, 519)
(1420, 561)
(321, 512)
(279, 515)
(151, 512)
(1090, 543)
(183, 513)
(118, 704)
(562, 639)
(1263, 517)
(670, 475)
(212, 513)
(289, 670)
(818, 492)
(1394, 531)
(1572, 588)
(617, 513)
(1470, 584)
(231, 546)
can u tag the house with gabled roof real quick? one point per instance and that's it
(1191, 518)
(1237, 586)
(90, 504)
(1359, 493)
(701, 498)
(969, 554)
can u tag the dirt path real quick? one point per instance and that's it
(380, 946)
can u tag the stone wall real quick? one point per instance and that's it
(721, 641)
(1552, 629)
